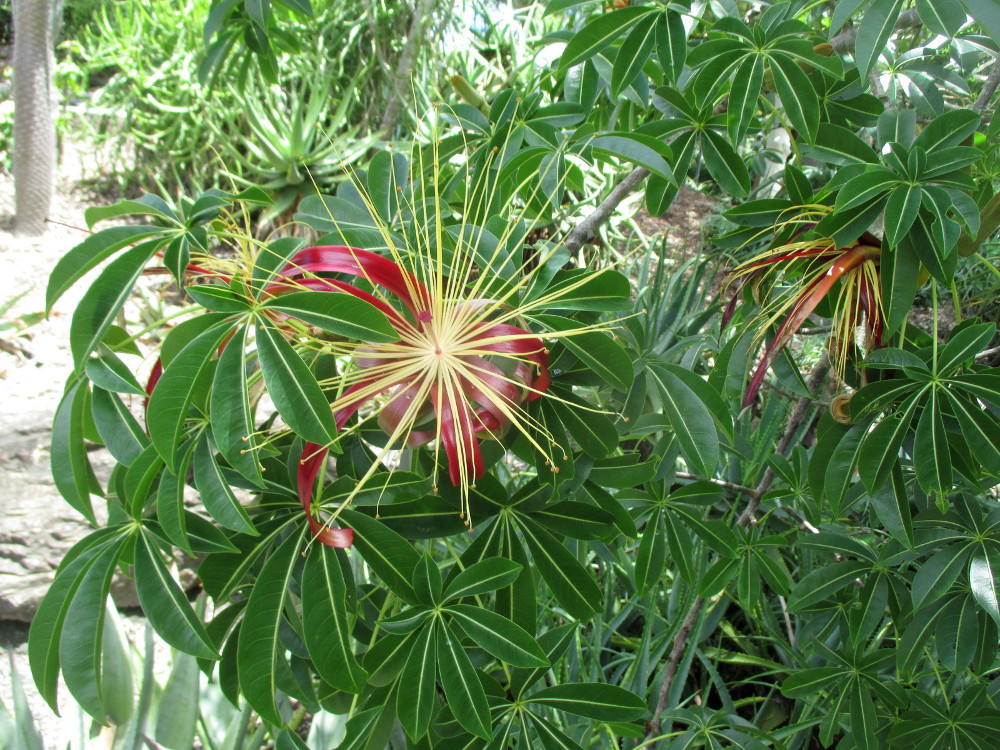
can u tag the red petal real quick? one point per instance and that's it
(313, 456)
(361, 263)
(453, 435)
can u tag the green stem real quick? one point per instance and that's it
(934, 325)
(989, 266)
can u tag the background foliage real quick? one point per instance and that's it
(774, 517)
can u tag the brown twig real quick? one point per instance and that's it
(795, 420)
(989, 88)
(586, 229)
(844, 41)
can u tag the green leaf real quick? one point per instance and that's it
(690, 420)
(980, 429)
(576, 520)
(651, 554)
(577, 289)
(74, 265)
(80, 644)
(479, 578)
(725, 164)
(230, 411)
(108, 372)
(984, 578)
(217, 297)
(949, 129)
(880, 449)
(18, 732)
(572, 584)
(874, 31)
(936, 575)
(498, 636)
(747, 82)
(179, 704)
(599, 32)
(336, 312)
(901, 211)
(592, 430)
(389, 555)
(900, 271)
(715, 533)
(462, 688)
(71, 470)
(259, 647)
(326, 627)
(964, 344)
(293, 388)
(181, 382)
(592, 700)
(166, 605)
(47, 624)
(824, 582)
(102, 302)
(836, 144)
(149, 204)
(118, 429)
(671, 43)
(633, 53)
(931, 454)
(218, 497)
(642, 150)
(170, 510)
(415, 705)
(601, 354)
(797, 95)
(984, 13)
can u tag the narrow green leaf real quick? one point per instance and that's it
(326, 627)
(592, 700)
(797, 95)
(964, 344)
(179, 704)
(671, 43)
(166, 605)
(74, 265)
(937, 574)
(80, 644)
(641, 150)
(572, 584)
(259, 647)
(181, 382)
(462, 688)
(824, 582)
(479, 578)
(599, 32)
(725, 164)
(691, 421)
(336, 312)
(498, 636)
(170, 510)
(389, 555)
(119, 430)
(931, 454)
(293, 388)
(747, 82)
(109, 372)
(216, 494)
(231, 414)
(71, 470)
(901, 211)
(984, 578)
(102, 302)
(651, 554)
(874, 31)
(634, 51)
(415, 705)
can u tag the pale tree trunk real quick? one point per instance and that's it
(34, 125)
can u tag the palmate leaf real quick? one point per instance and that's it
(479, 578)
(874, 31)
(633, 53)
(339, 313)
(74, 477)
(572, 584)
(600, 32)
(389, 555)
(984, 578)
(690, 419)
(217, 495)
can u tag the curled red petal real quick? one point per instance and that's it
(363, 264)
(313, 456)
(154, 378)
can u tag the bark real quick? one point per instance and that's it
(34, 124)
(404, 67)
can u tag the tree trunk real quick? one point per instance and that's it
(34, 125)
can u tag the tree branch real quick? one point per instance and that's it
(586, 229)
(844, 41)
(989, 88)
